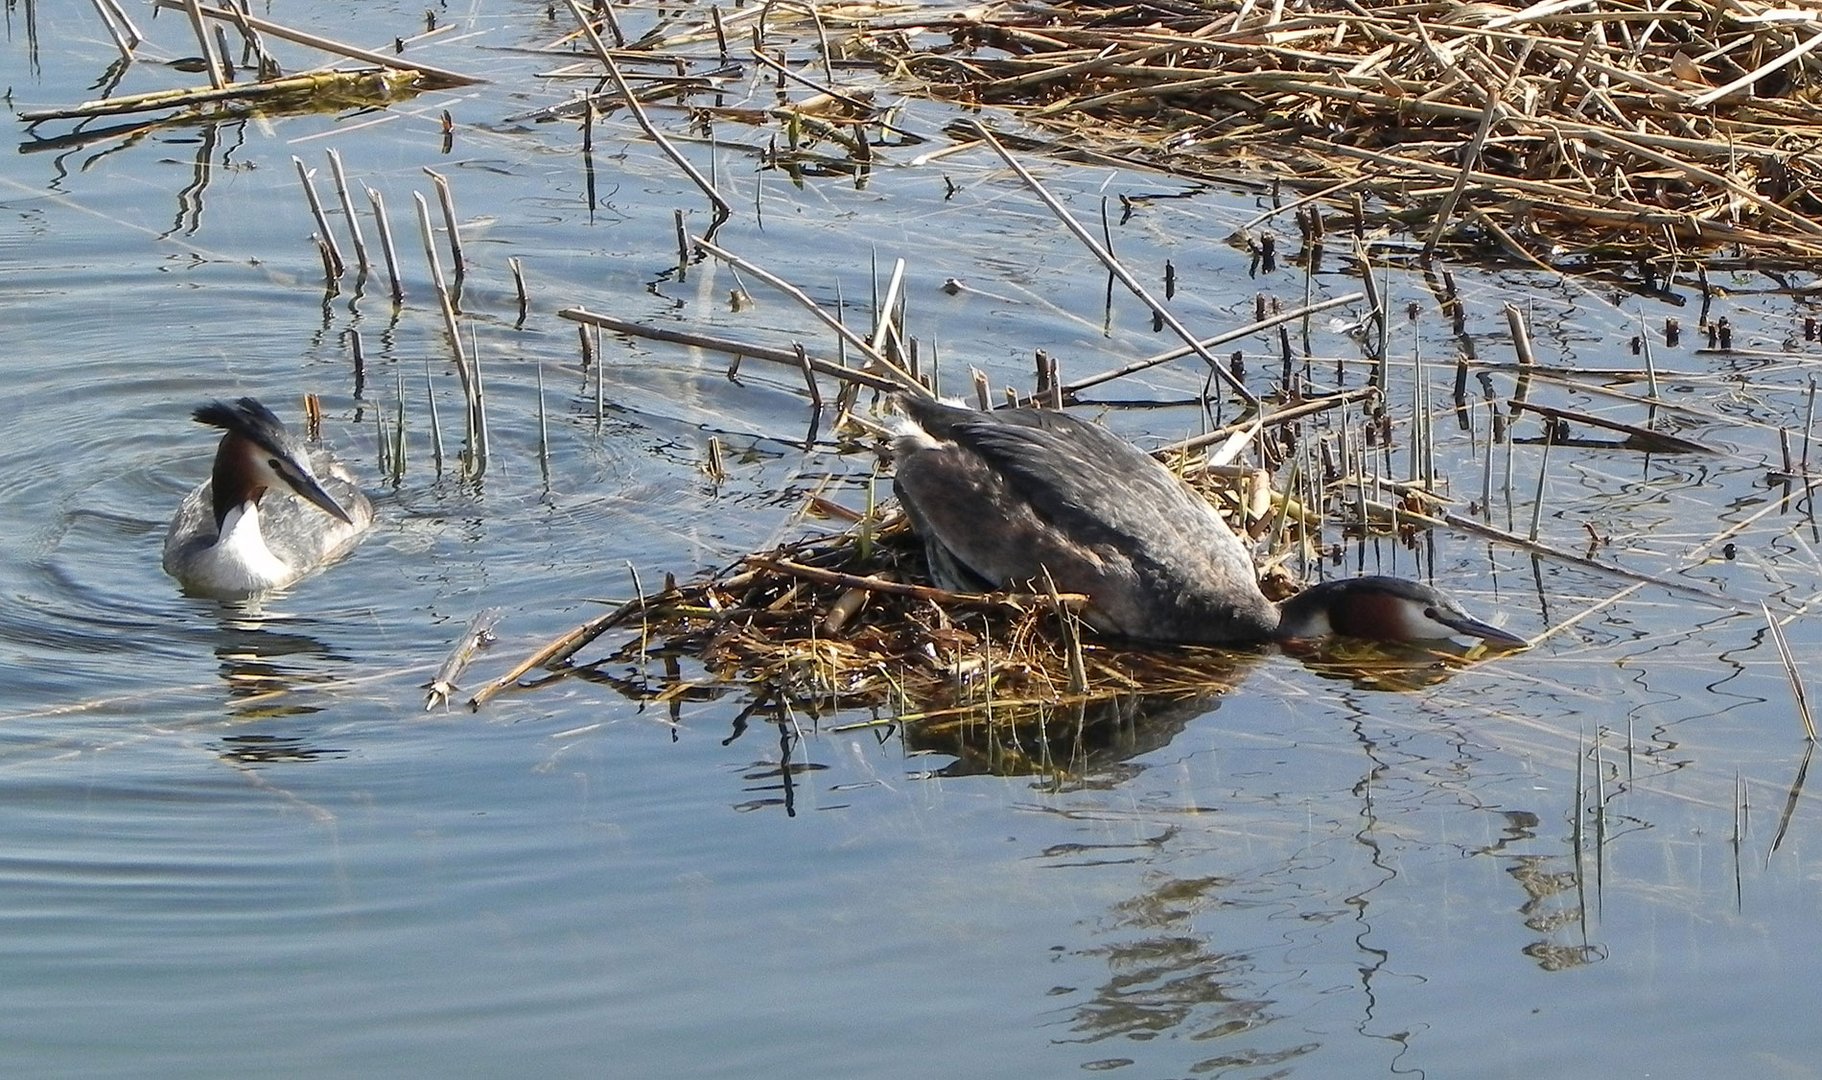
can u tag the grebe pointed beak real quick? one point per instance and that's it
(312, 491)
(1468, 626)
(296, 475)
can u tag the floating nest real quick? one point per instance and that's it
(1009, 683)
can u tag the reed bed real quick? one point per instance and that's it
(1608, 128)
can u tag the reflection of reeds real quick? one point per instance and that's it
(1789, 660)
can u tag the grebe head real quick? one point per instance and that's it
(257, 453)
(1383, 609)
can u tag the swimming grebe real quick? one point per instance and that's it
(227, 540)
(1000, 497)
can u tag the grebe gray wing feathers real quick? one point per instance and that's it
(1008, 495)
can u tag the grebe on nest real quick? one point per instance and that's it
(1000, 497)
(229, 540)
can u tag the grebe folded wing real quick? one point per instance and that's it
(1013, 493)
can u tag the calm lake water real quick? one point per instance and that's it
(235, 843)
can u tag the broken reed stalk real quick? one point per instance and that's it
(263, 63)
(330, 277)
(809, 378)
(480, 398)
(1809, 425)
(119, 27)
(1244, 430)
(1543, 473)
(883, 307)
(600, 395)
(874, 583)
(357, 353)
(382, 443)
(436, 425)
(543, 430)
(1127, 278)
(447, 202)
(1469, 158)
(1521, 345)
(767, 353)
(398, 449)
(474, 460)
(354, 223)
(326, 237)
(723, 209)
(213, 63)
(865, 108)
(875, 359)
(714, 464)
(1790, 800)
(386, 246)
(518, 284)
(567, 645)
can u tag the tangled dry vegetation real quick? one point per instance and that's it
(1566, 127)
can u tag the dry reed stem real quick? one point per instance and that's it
(737, 348)
(478, 634)
(1637, 437)
(875, 584)
(302, 87)
(875, 359)
(1292, 315)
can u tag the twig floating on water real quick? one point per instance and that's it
(478, 635)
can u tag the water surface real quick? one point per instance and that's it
(236, 843)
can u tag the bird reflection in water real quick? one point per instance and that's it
(268, 674)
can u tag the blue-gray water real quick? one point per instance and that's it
(235, 844)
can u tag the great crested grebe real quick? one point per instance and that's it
(271, 512)
(1000, 497)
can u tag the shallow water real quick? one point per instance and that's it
(237, 844)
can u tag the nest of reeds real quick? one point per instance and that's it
(1609, 127)
(1010, 683)
(846, 620)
